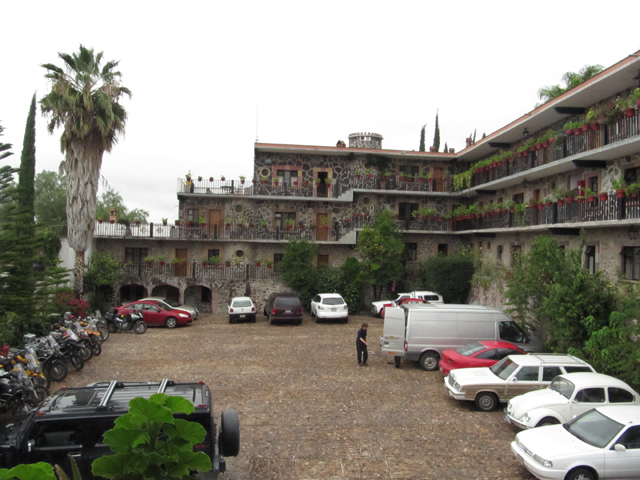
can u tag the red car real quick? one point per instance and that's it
(156, 314)
(401, 302)
(477, 354)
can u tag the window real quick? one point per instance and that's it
(405, 210)
(489, 355)
(549, 373)
(590, 259)
(132, 255)
(618, 395)
(592, 183)
(527, 374)
(409, 171)
(213, 253)
(239, 253)
(631, 262)
(411, 252)
(499, 254)
(277, 260)
(631, 175)
(590, 395)
(443, 249)
(280, 219)
(519, 198)
(193, 215)
(287, 177)
(631, 438)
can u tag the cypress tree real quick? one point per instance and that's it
(446, 148)
(436, 135)
(27, 173)
(422, 147)
(474, 136)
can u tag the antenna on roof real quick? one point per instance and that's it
(257, 118)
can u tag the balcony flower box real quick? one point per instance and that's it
(604, 197)
(595, 126)
(548, 203)
(569, 199)
(545, 144)
(569, 132)
(591, 198)
(585, 127)
(538, 146)
(630, 112)
(620, 193)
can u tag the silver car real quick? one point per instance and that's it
(173, 304)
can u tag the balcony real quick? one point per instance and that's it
(195, 270)
(607, 142)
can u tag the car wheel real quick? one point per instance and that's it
(346, 320)
(253, 319)
(429, 361)
(580, 473)
(548, 421)
(229, 433)
(171, 322)
(397, 361)
(486, 401)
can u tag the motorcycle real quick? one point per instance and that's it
(49, 356)
(69, 347)
(123, 323)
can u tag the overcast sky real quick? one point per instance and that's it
(208, 77)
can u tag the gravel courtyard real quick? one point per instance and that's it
(307, 411)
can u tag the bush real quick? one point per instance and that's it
(449, 276)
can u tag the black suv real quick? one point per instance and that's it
(283, 307)
(73, 421)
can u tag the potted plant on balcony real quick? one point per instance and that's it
(301, 225)
(164, 222)
(161, 260)
(227, 263)
(242, 179)
(367, 172)
(199, 178)
(240, 222)
(559, 195)
(323, 222)
(149, 260)
(290, 223)
(618, 186)
(258, 261)
(263, 224)
(275, 182)
(178, 261)
(211, 179)
(268, 263)
(227, 221)
(201, 220)
(358, 174)
(100, 219)
(264, 180)
(318, 181)
(177, 222)
(328, 181)
(215, 260)
(604, 196)
(590, 195)
(222, 177)
(634, 97)
(633, 189)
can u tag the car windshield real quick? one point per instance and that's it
(332, 301)
(173, 303)
(511, 332)
(242, 303)
(470, 349)
(563, 386)
(593, 428)
(504, 368)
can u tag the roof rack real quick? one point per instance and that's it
(107, 395)
(163, 385)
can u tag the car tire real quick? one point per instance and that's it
(486, 401)
(171, 322)
(548, 421)
(581, 473)
(229, 438)
(429, 361)
(397, 361)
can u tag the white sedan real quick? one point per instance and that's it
(242, 308)
(568, 396)
(329, 306)
(603, 443)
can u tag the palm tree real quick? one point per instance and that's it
(84, 101)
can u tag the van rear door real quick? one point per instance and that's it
(392, 340)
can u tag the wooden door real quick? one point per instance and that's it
(181, 266)
(322, 231)
(215, 223)
(437, 179)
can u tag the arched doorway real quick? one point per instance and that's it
(129, 293)
(166, 291)
(198, 296)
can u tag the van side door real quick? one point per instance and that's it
(392, 340)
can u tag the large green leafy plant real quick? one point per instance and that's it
(149, 443)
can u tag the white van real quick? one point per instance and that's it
(422, 332)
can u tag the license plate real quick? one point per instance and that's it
(242, 316)
(334, 309)
(288, 311)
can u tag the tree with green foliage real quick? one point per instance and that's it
(571, 80)
(422, 139)
(436, 135)
(450, 276)
(85, 101)
(382, 252)
(50, 202)
(297, 269)
(446, 148)
(111, 198)
(352, 284)
(102, 274)
(4, 147)
(551, 290)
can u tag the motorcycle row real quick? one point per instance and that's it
(26, 373)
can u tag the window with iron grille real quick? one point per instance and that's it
(590, 259)
(443, 249)
(287, 177)
(411, 252)
(409, 171)
(631, 262)
(135, 254)
(213, 252)
(193, 215)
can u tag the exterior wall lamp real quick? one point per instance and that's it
(525, 133)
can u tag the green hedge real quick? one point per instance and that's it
(448, 276)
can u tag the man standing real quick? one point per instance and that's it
(362, 345)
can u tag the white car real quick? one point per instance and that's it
(431, 297)
(602, 443)
(329, 306)
(241, 308)
(568, 396)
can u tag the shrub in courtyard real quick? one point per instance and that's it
(450, 276)
(297, 269)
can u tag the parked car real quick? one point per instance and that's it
(193, 311)
(568, 395)
(154, 313)
(329, 306)
(283, 307)
(602, 443)
(241, 308)
(405, 301)
(431, 297)
(510, 377)
(484, 353)
(72, 422)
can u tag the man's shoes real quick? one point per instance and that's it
(365, 365)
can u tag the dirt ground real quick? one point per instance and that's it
(307, 411)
